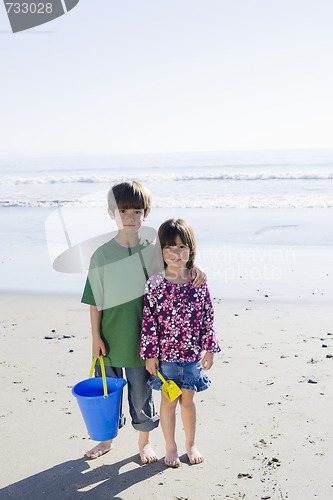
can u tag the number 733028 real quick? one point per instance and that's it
(29, 8)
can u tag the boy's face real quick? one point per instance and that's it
(129, 219)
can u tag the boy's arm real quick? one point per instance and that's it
(199, 276)
(98, 345)
(209, 339)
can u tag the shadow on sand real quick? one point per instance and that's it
(67, 480)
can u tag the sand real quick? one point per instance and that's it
(264, 426)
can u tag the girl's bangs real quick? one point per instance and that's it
(168, 238)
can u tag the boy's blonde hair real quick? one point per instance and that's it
(129, 194)
(168, 233)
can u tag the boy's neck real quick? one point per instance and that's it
(127, 240)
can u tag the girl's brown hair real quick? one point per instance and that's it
(168, 233)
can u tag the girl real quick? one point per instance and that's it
(178, 325)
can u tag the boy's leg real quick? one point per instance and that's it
(188, 412)
(142, 410)
(147, 453)
(100, 449)
(168, 424)
(105, 446)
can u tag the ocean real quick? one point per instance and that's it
(263, 220)
(265, 179)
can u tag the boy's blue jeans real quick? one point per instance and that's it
(140, 398)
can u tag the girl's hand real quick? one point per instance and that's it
(152, 365)
(98, 347)
(199, 276)
(207, 361)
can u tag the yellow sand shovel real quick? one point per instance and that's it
(169, 388)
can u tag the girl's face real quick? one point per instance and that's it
(176, 255)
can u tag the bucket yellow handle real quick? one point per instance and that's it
(103, 373)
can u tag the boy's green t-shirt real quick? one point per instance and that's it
(115, 284)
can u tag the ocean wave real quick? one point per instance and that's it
(257, 177)
(16, 181)
(104, 179)
(195, 202)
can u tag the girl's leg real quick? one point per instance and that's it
(188, 412)
(168, 424)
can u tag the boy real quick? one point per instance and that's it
(114, 290)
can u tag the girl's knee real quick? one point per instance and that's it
(187, 398)
(168, 404)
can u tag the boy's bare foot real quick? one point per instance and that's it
(100, 449)
(171, 457)
(194, 455)
(147, 453)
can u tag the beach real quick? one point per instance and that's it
(264, 426)
(264, 237)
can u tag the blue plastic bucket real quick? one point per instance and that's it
(100, 414)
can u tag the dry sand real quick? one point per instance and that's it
(265, 430)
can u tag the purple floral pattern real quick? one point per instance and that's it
(178, 321)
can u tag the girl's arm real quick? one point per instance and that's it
(152, 365)
(98, 345)
(207, 361)
(149, 336)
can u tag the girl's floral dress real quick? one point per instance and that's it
(178, 321)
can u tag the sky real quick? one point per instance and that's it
(153, 76)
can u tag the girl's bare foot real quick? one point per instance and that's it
(194, 455)
(171, 457)
(100, 449)
(147, 453)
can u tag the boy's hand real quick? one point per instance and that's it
(98, 347)
(199, 276)
(152, 365)
(207, 361)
